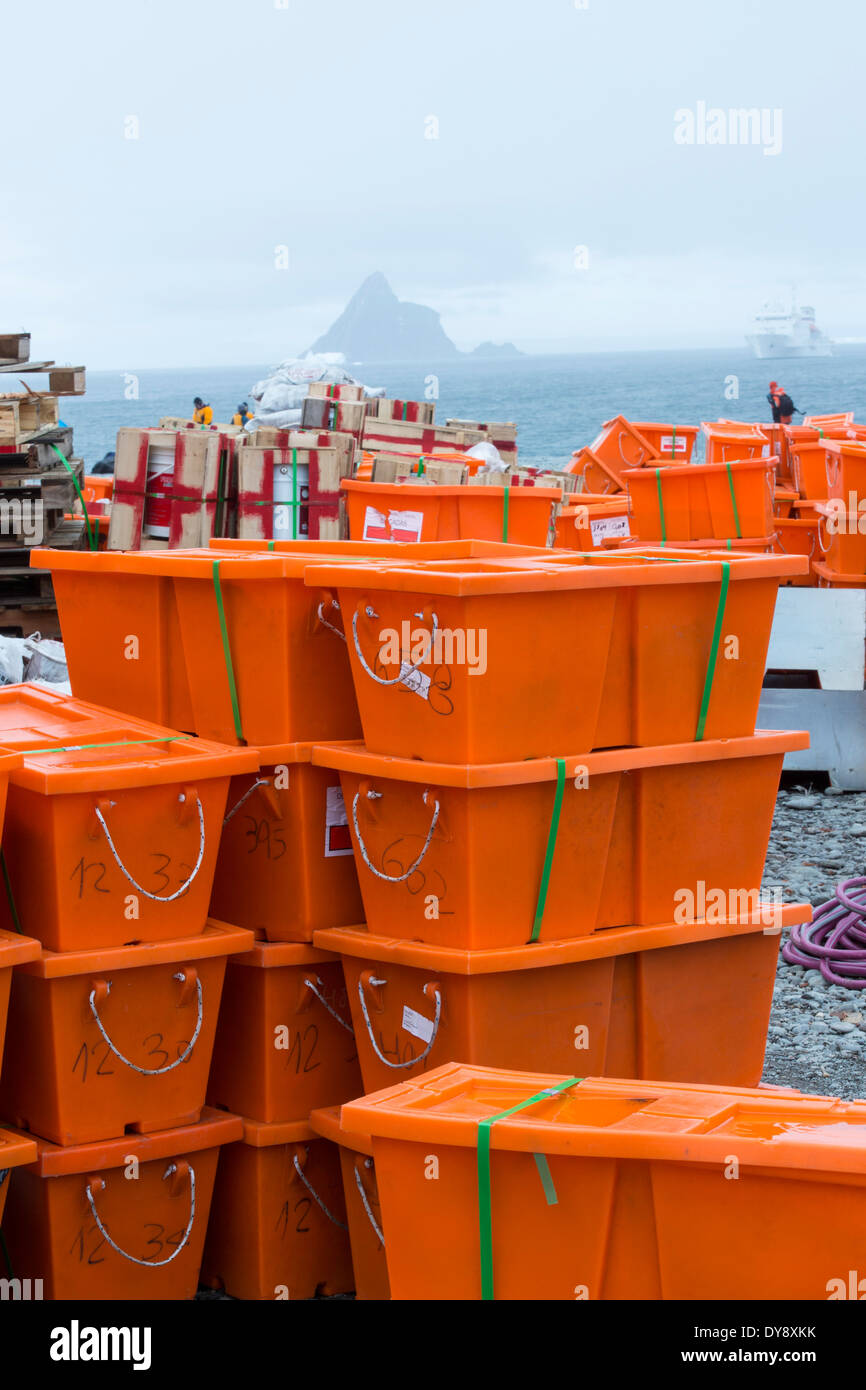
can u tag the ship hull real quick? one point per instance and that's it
(776, 346)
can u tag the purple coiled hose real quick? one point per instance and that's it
(834, 942)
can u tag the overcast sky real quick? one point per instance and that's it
(286, 123)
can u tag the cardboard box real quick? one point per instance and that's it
(336, 391)
(413, 412)
(344, 417)
(501, 434)
(346, 445)
(401, 436)
(171, 488)
(291, 493)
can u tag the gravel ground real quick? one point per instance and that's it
(817, 1035)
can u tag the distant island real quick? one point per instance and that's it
(376, 326)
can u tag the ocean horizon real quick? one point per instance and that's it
(558, 401)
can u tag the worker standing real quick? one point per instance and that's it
(242, 415)
(782, 406)
(202, 414)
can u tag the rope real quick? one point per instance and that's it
(154, 897)
(92, 540)
(227, 652)
(320, 614)
(412, 1061)
(148, 1071)
(151, 1264)
(365, 1199)
(314, 1194)
(834, 942)
(259, 782)
(485, 1209)
(390, 878)
(714, 652)
(323, 1001)
(550, 850)
(402, 673)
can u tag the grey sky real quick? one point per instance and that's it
(304, 126)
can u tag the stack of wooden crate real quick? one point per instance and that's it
(38, 492)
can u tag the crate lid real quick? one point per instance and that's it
(604, 1117)
(17, 950)
(214, 1128)
(613, 941)
(15, 1148)
(353, 756)
(217, 939)
(326, 1123)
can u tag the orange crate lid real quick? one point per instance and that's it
(352, 756)
(215, 1127)
(613, 1118)
(260, 1134)
(217, 939)
(271, 955)
(558, 569)
(326, 1123)
(17, 950)
(15, 1148)
(613, 941)
(69, 745)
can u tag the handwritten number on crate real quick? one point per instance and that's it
(303, 1063)
(82, 1060)
(89, 876)
(266, 835)
(92, 1254)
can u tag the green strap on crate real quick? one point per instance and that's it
(405, 411)
(92, 539)
(546, 1177)
(734, 501)
(16, 921)
(227, 652)
(661, 505)
(271, 545)
(485, 1210)
(506, 499)
(421, 466)
(714, 651)
(549, 852)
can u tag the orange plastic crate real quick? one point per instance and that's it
(285, 1043)
(642, 1209)
(363, 1212)
(278, 1225)
(103, 1042)
(686, 502)
(684, 1002)
(576, 649)
(75, 1220)
(113, 823)
(433, 512)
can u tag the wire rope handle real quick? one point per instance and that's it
(377, 983)
(102, 989)
(155, 897)
(320, 614)
(148, 1264)
(314, 1194)
(392, 878)
(405, 668)
(314, 984)
(362, 1192)
(259, 782)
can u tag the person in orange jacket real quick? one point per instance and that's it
(782, 406)
(202, 414)
(242, 415)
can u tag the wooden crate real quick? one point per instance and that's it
(14, 347)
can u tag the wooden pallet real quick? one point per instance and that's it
(27, 618)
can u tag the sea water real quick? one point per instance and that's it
(559, 403)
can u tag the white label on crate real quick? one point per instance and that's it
(405, 526)
(417, 1024)
(415, 680)
(291, 512)
(608, 526)
(375, 525)
(679, 443)
(337, 838)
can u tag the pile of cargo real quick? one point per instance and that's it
(391, 913)
(792, 489)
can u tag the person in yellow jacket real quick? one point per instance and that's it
(202, 414)
(242, 415)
